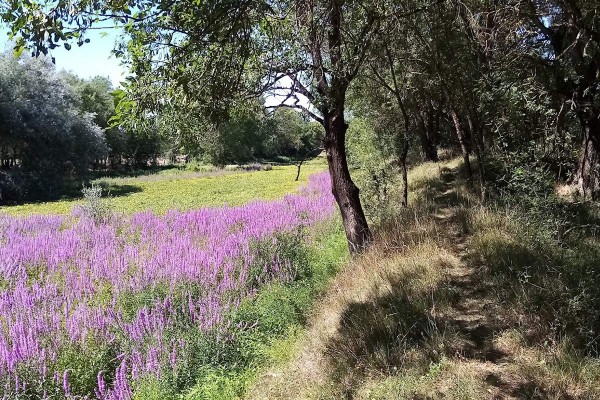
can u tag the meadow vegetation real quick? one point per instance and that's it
(450, 250)
(129, 306)
(183, 190)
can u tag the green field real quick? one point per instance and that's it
(161, 193)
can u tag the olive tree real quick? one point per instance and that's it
(46, 140)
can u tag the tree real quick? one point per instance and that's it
(46, 140)
(569, 37)
(218, 50)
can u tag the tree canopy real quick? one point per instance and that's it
(46, 137)
(506, 83)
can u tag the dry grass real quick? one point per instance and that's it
(432, 311)
(378, 313)
(445, 379)
(362, 312)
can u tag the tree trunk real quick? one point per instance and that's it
(403, 166)
(478, 145)
(433, 128)
(344, 190)
(404, 151)
(299, 166)
(428, 145)
(587, 178)
(460, 133)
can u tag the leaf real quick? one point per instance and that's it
(18, 51)
(67, 46)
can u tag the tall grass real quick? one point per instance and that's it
(457, 299)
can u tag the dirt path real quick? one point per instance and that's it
(475, 312)
(367, 303)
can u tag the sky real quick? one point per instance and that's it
(91, 59)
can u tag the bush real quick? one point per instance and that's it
(12, 186)
(94, 206)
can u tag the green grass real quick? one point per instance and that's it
(184, 192)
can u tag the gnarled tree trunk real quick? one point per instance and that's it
(344, 190)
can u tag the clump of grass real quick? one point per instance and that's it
(558, 369)
(443, 379)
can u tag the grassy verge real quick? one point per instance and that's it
(457, 300)
(185, 191)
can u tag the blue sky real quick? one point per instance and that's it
(91, 59)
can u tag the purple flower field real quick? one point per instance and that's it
(119, 294)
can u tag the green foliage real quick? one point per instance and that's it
(47, 141)
(371, 158)
(291, 134)
(220, 384)
(84, 364)
(245, 134)
(95, 97)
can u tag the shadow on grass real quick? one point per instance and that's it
(380, 334)
(111, 190)
(518, 276)
(132, 172)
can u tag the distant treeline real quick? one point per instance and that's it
(56, 128)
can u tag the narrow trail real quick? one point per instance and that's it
(475, 312)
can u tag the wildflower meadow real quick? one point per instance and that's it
(92, 309)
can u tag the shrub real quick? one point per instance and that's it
(94, 206)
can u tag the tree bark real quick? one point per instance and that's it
(404, 167)
(460, 133)
(587, 179)
(331, 84)
(428, 142)
(479, 153)
(299, 166)
(344, 190)
(404, 148)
